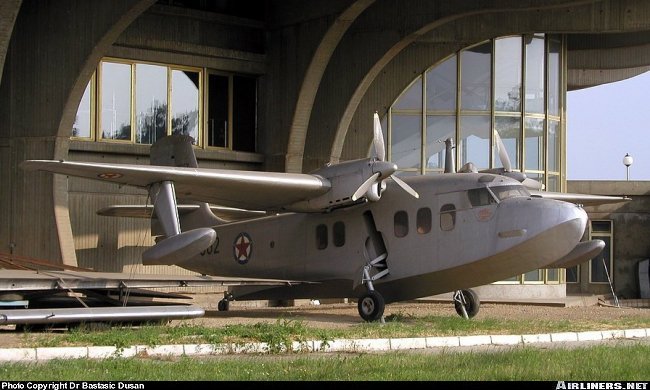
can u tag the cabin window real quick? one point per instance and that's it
(480, 197)
(423, 220)
(321, 236)
(401, 221)
(339, 234)
(447, 217)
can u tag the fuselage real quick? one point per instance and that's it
(465, 230)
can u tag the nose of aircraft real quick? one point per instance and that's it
(549, 228)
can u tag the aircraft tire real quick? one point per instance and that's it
(223, 305)
(472, 303)
(371, 306)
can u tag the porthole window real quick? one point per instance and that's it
(447, 217)
(423, 220)
(401, 222)
(339, 234)
(321, 237)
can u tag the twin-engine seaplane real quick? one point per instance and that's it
(347, 230)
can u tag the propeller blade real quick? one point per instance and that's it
(405, 186)
(365, 187)
(532, 184)
(378, 139)
(503, 153)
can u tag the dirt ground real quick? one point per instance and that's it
(341, 315)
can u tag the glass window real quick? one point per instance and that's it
(115, 101)
(244, 113)
(601, 226)
(535, 71)
(441, 86)
(474, 144)
(218, 111)
(321, 237)
(480, 197)
(439, 128)
(506, 192)
(601, 266)
(553, 183)
(150, 103)
(338, 234)
(476, 67)
(553, 275)
(447, 217)
(401, 223)
(83, 120)
(534, 147)
(423, 220)
(573, 274)
(185, 103)
(509, 130)
(406, 141)
(554, 70)
(411, 99)
(534, 276)
(507, 74)
(553, 145)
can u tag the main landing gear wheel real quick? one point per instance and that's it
(223, 305)
(466, 303)
(371, 306)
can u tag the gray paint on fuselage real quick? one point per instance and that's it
(419, 264)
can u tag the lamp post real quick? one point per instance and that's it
(627, 161)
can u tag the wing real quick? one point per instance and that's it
(146, 211)
(250, 190)
(583, 199)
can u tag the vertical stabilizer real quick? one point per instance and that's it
(178, 151)
(174, 151)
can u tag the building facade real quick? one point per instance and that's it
(289, 86)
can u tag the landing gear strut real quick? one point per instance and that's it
(466, 303)
(371, 304)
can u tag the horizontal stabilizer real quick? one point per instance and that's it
(176, 249)
(584, 251)
(583, 199)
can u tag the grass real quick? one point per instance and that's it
(284, 331)
(600, 363)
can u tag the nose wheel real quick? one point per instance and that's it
(466, 303)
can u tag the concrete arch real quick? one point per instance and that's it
(8, 14)
(398, 47)
(52, 76)
(311, 82)
(371, 59)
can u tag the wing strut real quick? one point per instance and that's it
(164, 200)
(175, 247)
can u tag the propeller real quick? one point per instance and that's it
(374, 185)
(507, 167)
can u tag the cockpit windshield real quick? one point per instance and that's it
(481, 197)
(505, 192)
(484, 196)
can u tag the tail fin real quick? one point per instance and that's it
(177, 151)
(174, 151)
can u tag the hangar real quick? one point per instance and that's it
(290, 85)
